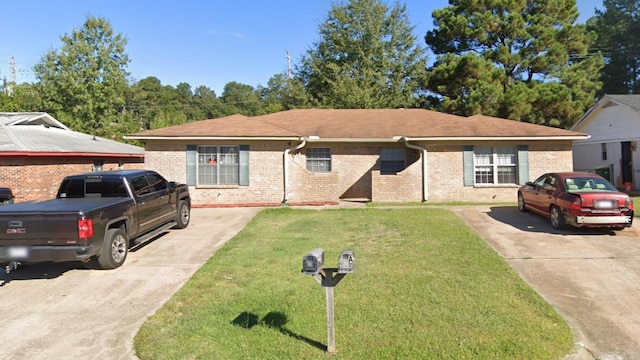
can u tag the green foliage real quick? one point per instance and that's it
(240, 98)
(283, 93)
(517, 59)
(84, 84)
(618, 27)
(367, 58)
(425, 287)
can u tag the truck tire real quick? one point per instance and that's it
(183, 215)
(114, 249)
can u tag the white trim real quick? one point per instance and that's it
(363, 140)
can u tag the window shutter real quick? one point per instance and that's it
(523, 164)
(191, 165)
(468, 165)
(244, 165)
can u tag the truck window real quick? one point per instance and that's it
(140, 185)
(156, 182)
(106, 187)
(71, 188)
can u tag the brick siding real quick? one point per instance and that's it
(355, 173)
(37, 179)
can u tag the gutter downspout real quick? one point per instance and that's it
(285, 157)
(423, 155)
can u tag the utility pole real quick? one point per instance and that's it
(9, 87)
(288, 65)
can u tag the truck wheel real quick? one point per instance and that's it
(114, 249)
(183, 215)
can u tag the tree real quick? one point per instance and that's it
(24, 97)
(618, 27)
(282, 93)
(84, 83)
(367, 57)
(516, 59)
(240, 98)
(207, 102)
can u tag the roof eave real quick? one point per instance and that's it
(189, 138)
(369, 140)
(69, 154)
(498, 138)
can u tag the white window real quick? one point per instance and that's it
(603, 148)
(218, 165)
(319, 159)
(494, 165)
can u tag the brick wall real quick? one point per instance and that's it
(446, 171)
(38, 178)
(354, 174)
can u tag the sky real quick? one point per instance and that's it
(199, 42)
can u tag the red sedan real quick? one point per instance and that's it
(577, 199)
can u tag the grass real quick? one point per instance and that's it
(425, 287)
(425, 204)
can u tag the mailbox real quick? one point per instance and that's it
(313, 262)
(346, 262)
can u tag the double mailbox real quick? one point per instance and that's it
(313, 262)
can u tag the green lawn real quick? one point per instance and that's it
(425, 287)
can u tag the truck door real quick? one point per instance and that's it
(166, 200)
(147, 204)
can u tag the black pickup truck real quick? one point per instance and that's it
(94, 215)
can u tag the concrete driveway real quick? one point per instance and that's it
(591, 277)
(64, 311)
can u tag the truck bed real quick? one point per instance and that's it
(61, 206)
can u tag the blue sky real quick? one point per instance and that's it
(199, 42)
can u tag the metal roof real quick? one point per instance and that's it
(39, 133)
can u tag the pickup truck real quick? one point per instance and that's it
(97, 215)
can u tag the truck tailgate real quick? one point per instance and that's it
(52, 222)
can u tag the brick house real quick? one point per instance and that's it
(315, 156)
(37, 152)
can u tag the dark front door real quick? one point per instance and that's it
(627, 161)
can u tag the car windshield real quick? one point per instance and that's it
(588, 184)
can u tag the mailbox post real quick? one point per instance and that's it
(312, 264)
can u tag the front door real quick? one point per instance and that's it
(626, 164)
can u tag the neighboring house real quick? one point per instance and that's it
(314, 156)
(613, 124)
(37, 151)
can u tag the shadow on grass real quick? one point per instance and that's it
(274, 320)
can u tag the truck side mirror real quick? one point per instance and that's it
(312, 263)
(346, 262)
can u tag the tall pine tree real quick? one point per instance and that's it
(618, 28)
(517, 59)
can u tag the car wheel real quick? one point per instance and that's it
(557, 218)
(114, 249)
(521, 205)
(183, 215)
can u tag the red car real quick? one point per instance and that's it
(578, 199)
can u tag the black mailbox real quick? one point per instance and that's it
(346, 262)
(313, 262)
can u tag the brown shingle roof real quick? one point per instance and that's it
(359, 124)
